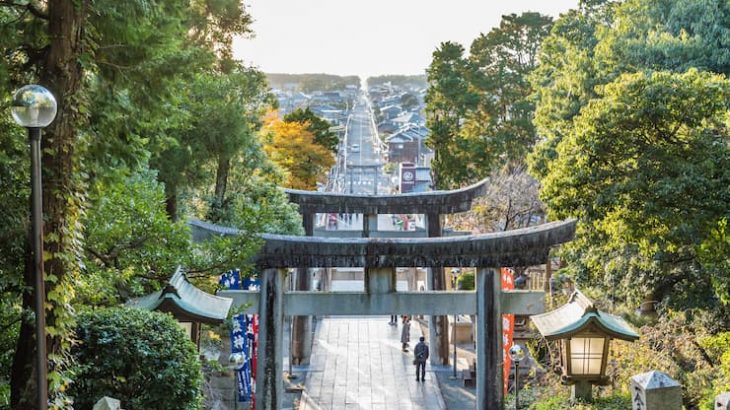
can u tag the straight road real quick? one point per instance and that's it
(362, 148)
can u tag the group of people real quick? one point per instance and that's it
(420, 352)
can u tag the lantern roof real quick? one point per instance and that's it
(185, 302)
(580, 314)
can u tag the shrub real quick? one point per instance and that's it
(466, 281)
(615, 402)
(142, 358)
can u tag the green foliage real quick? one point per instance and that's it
(717, 348)
(479, 108)
(131, 245)
(316, 125)
(671, 35)
(713, 254)
(466, 281)
(447, 100)
(409, 101)
(601, 40)
(142, 358)
(564, 80)
(646, 171)
(562, 402)
(223, 114)
(14, 219)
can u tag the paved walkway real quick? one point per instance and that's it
(357, 363)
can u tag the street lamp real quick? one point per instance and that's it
(584, 333)
(516, 353)
(34, 107)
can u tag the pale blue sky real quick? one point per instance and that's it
(367, 37)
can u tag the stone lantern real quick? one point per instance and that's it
(584, 333)
(189, 305)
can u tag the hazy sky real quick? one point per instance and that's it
(367, 37)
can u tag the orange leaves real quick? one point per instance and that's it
(291, 146)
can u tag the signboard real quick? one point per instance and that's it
(508, 326)
(407, 177)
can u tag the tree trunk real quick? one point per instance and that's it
(61, 73)
(21, 377)
(221, 183)
(648, 306)
(171, 201)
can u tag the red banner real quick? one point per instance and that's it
(255, 355)
(508, 326)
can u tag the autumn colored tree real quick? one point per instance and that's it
(292, 146)
(316, 125)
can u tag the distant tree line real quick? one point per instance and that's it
(313, 82)
(399, 80)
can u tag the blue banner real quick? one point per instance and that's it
(230, 280)
(242, 335)
(242, 343)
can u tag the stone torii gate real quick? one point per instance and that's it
(432, 205)
(523, 247)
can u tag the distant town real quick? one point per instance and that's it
(396, 105)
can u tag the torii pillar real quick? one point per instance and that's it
(438, 326)
(302, 325)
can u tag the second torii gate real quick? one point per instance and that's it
(432, 205)
(523, 247)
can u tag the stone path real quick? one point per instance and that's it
(357, 363)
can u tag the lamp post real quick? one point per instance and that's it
(516, 353)
(34, 107)
(584, 333)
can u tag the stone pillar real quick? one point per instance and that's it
(655, 390)
(438, 326)
(369, 224)
(302, 325)
(381, 280)
(269, 381)
(489, 340)
(722, 401)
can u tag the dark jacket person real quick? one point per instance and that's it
(421, 355)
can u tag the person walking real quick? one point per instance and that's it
(393, 320)
(421, 355)
(405, 335)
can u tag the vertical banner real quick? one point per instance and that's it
(240, 344)
(254, 337)
(508, 326)
(244, 335)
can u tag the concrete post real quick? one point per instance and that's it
(269, 381)
(655, 390)
(302, 325)
(489, 340)
(438, 326)
(722, 401)
(582, 390)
